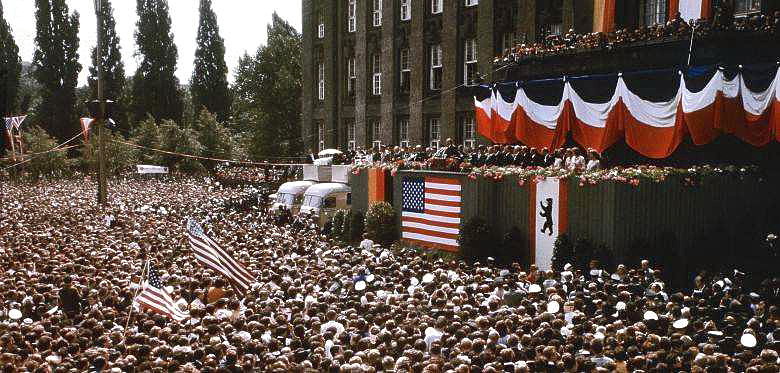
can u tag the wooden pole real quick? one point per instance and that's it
(13, 143)
(101, 117)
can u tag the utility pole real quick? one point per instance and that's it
(100, 121)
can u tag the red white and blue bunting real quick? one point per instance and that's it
(654, 129)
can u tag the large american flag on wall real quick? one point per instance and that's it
(430, 211)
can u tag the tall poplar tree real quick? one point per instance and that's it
(279, 76)
(10, 69)
(155, 86)
(56, 67)
(111, 61)
(209, 85)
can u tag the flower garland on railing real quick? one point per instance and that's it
(634, 175)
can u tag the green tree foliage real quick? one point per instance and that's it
(53, 163)
(209, 85)
(214, 138)
(122, 157)
(155, 86)
(10, 73)
(267, 93)
(111, 62)
(181, 140)
(146, 134)
(10, 68)
(380, 223)
(56, 66)
(563, 252)
(477, 239)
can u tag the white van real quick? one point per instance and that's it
(323, 200)
(290, 195)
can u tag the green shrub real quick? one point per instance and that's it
(380, 223)
(356, 225)
(515, 248)
(346, 227)
(476, 239)
(563, 252)
(338, 223)
(54, 163)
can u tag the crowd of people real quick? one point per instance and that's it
(675, 29)
(71, 271)
(572, 159)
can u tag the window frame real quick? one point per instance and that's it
(655, 15)
(470, 63)
(753, 7)
(406, 10)
(470, 3)
(403, 132)
(321, 136)
(376, 78)
(321, 81)
(377, 13)
(468, 126)
(437, 7)
(321, 25)
(376, 130)
(436, 67)
(351, 15)
(405, 68)
(351, 76)
(434, 141)
(351, 135)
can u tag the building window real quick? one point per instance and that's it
(403, 132)
(434, 132)
(321, 81)
(321, 136)
(321, 26)
(351, 76)
(468, 131)
(351, 18)
(746, 7)
(472, 2)
(436, 67)
(377, 13)
(436, 6)
(377, 77)
(376, 134)
(406, 71)
(508, 41)
(406, 10)
(470, 62)
(549, 14)
(351, 135)
(655, 12)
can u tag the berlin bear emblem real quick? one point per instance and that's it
(547, 214)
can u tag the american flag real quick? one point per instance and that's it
(430, 211)
(154, 297)
(210, 254)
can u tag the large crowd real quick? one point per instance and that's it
(464, 157)
(71, 271)
(674, 29)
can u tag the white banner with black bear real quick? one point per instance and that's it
(549, 218)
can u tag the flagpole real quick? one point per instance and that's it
(143, 271)
(102, 194)
(690, 47)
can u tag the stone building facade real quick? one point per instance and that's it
(399, 72)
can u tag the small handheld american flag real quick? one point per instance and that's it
(154, 297)
(211, 255)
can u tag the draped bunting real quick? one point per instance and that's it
(654, 129)
(86, 123)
